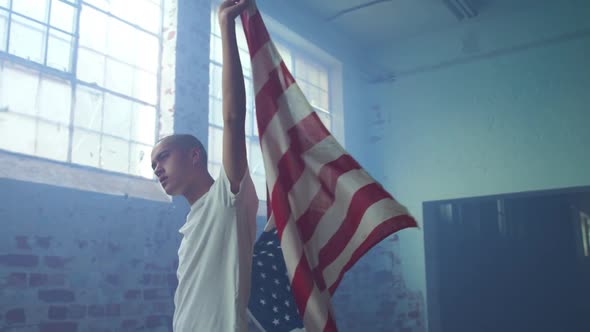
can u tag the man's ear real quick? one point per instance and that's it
(196, 156)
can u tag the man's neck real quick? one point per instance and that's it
(197, 191)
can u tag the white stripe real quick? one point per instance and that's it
(264, 62)
(318, 305)
(293, 107)
(316, 311)
(373, 217)
(347, 185)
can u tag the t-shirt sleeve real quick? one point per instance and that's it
(245, 201)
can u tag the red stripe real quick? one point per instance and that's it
(302, 284)
(267, 98)
(256, 33)
(307, 133)
(361, 201)
(291, 165)
(330, 324)
(328, 177)
(379, 233)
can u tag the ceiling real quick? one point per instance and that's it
(377, 23)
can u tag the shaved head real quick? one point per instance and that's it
(185, 142)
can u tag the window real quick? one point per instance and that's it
(313, 77)
(79, 81)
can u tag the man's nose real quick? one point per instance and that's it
(158, 171)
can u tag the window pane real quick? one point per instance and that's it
(59, 51)
(214, 169)
(17, 133)
(119, 77)
(114, 154)
(55, 100)
(215, 115)
(326, 119)
(145, 86)
(91, 66)
(117, 116)
(85, 148)
(4, 3)
(3, 29)
(286, 55)
(255, 162)
(260, 186)
(215, 81)
(144, 13)
(121, 41)
(93, 29)
(249, 122)
(215, 144)
(102, 4)
(27, 39)
(36, 9)
(215, 52)
(17, 90)
(148, 51)
(143, 125)
(62, 16)
(88, 109)
(140, 161)
(52, 141)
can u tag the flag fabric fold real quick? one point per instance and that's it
(325, 210)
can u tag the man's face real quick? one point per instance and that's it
(173, 167)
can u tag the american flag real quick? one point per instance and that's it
(327, 211)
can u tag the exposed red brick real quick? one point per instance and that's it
(22, 242)
(13, 260)
(155, 294)
(43, 241)
(56, 262)
(129, 324)
(113, 309)
(158, 279)
(112, 279)
(132, 294)
(58, 327)
(57, 313)
(96, 310)
(15, 316)
(38, 279)
(56, 295)
(76, 311)
(17, 280)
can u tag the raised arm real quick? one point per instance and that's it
(234, 95)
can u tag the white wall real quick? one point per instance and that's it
(499, 104)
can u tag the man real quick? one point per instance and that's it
(215, 255)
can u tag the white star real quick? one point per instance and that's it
(287, 303)
(275, 309)
(262, 302)
(263, 275)
(261, 289)
(263, 252)
(270, 254)
(276, 231)
(276, 322)
(259, 263)
(287, 317)
(269, 243)
(274, 295)
(288, 288)
(277, 281)
(274, 267)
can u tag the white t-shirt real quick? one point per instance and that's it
(215, 259)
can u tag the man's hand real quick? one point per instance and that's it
(230, 9)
